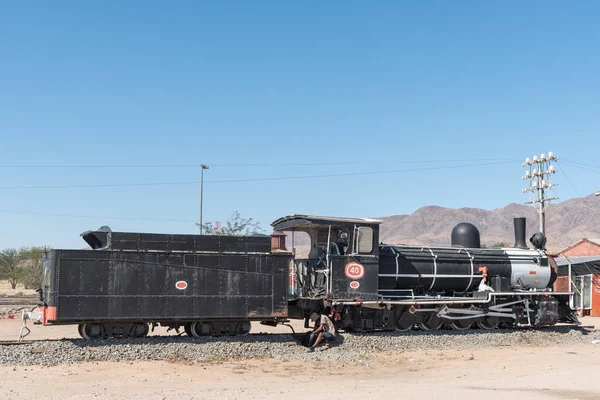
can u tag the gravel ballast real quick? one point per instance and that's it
(349, 347)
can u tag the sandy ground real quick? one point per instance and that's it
(503, 373)
(515, 373)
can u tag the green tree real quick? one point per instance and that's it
(501, 244)
(10, 268)
(31, 262)
(235, 225)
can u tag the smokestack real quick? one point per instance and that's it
(520, 228)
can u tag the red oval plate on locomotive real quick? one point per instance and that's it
(181, 285)
(354, 270)
(354, 284)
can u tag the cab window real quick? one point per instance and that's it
(364, 240)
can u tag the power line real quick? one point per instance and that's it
(568, 212)
(434, 161)
(356, 173)
(582, 167)
(581, 163)
(101, 185)
(153, 219)
(242, 165)
(96, 216)
(579, 194)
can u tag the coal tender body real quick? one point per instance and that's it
(129, 282)
(459, 286)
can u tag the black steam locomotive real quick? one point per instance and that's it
(217, 285)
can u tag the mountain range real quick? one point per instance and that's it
(566, 223)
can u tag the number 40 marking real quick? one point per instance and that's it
(354, 270)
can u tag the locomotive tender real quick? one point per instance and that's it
(217, 285)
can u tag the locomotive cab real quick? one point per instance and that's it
(340, 262)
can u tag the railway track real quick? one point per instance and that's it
(25, 342)
(19, 301)
(92, 342)
(297, 336)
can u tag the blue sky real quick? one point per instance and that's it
(364, 86)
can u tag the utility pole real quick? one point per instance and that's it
(202, 168)
(538, 172)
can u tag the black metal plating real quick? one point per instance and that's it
(128, 241)
(424, 269)
(152, 285)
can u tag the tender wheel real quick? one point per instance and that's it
(226, 328)
(188, 329)
(81, 328)
(461, 324)
(245, 327)
(431, 322)
(141, 330)
(200, 329)
(489, 323)
(90, 331)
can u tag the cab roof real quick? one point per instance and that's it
(300, 221)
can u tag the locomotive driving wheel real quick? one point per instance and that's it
(405, 322)
(489, 323)
(461, 324)
(404, 326)
(430, 322)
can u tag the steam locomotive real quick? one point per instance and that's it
(216, 285)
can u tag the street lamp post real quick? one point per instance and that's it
(202, 168)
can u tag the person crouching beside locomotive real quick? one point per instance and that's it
(325, 330)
